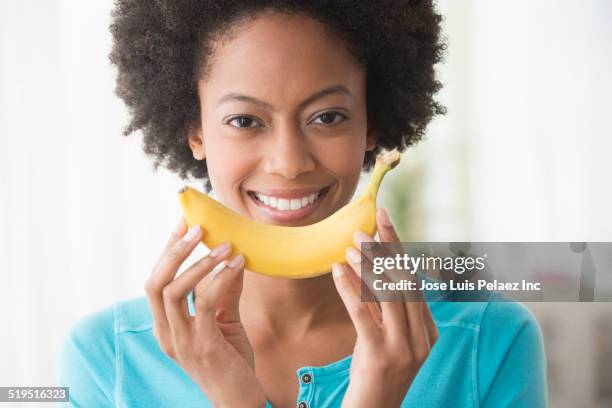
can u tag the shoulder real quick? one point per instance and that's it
(101, 326)
(133, 315)
(495, 325)
(91, 340)
(506, 319)
(511, 360)
(509, 333)
(88, 361)
(507, 349)
(497, 321)
(502, 312)
(500, 327)
(93, 334)
(498, 311)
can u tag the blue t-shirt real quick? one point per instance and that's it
(488, 354)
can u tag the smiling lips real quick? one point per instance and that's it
(288, 205)
(284, 204)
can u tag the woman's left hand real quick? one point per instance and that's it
(393, 338)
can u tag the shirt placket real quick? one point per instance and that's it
(306, 381)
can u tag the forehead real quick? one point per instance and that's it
(279, 55)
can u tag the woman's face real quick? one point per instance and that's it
(283, 113)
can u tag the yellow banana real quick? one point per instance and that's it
(288, 252)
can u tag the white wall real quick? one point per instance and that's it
(83, 216)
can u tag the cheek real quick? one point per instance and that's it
(344, 156)
(228, 163)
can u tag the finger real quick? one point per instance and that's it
(176, 292)
(228, 307)
(209, 293)
(164, 271)
(430, 325)
(360, 287)
(357, 310)
(393, 313)
(414, 304)
(386, 231)
(172, 258)
(391, 247)
(418, 336)
(374, 251)
(177, 233)
(188, 279)
(365, 244)
(354, 257)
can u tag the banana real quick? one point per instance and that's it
(287, 252)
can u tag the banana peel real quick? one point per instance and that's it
(288, 252)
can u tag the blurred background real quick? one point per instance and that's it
(522, 155)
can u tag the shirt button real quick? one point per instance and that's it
(306, 378)
(302, 405)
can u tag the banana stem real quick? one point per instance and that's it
(384, 163)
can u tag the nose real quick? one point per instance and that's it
(288, 153)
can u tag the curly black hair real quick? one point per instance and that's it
(162, 47)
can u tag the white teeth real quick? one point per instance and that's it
(296, 204)
(284, 204)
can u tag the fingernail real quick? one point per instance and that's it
(192, 233)
(220, 249)
(179, 226)
(384, 217)
(234, 263)
(353, 255)
(337, 270)
(361, 236)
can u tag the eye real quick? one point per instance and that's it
(242, 122)
(329, 118)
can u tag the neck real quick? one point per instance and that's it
(290, 307)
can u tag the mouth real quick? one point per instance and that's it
(284, 208)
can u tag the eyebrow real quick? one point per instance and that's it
(334, 89)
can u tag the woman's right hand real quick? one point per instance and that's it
(212, 346)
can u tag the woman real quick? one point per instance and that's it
(287, 99)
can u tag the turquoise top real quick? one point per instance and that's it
(488, 354)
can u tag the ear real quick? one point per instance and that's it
(196, 142)
(371, 139)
